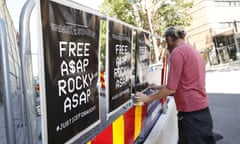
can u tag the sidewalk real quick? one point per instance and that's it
(223, 78)
(232, 65)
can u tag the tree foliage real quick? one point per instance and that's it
(174, 13)
(150, 14)
(121, 9)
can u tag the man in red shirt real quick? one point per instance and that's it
(186, 80)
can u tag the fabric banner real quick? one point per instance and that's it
(120, 47)
(71, 59)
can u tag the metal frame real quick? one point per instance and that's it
(10, 130)
(106, 69)
(76, 5)
(26, 70)
(41, 77)
(104, 119)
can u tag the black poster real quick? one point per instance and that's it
(142, 56)
(71, 51)
(120, 46)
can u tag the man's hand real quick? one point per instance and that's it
(140, 97)
(163, 92)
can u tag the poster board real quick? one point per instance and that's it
(142, 56)
(71, 67)
(118, 65)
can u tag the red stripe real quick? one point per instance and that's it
(129, 126)
(164, 75)
(105, 137)
(102, 79)
(164, 80)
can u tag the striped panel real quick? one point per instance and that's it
(118, 130)
(137, 121)
(105, 137)
(129, 126)
(102, 80)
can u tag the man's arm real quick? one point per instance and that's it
(154, 86)
(164, 91)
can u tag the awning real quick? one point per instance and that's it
(224, 32)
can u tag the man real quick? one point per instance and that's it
(186, 80)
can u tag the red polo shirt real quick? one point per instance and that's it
(187, 77)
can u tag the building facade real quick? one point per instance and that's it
(15, 80)
(214, 29)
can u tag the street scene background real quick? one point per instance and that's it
(223, 88)
(222, 80)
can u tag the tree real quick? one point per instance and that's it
(161, 14)
(152, 15)
(121, 9)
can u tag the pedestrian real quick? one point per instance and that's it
(186, 80)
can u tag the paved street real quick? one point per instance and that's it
(225, 110)
(223, 78)
(223, 87)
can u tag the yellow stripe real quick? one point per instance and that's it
(89, 142)
(137, 121)
(118, 130)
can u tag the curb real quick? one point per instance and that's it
(214, 67)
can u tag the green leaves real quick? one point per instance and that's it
(162, 13)
(121, 9)
(152, 15)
